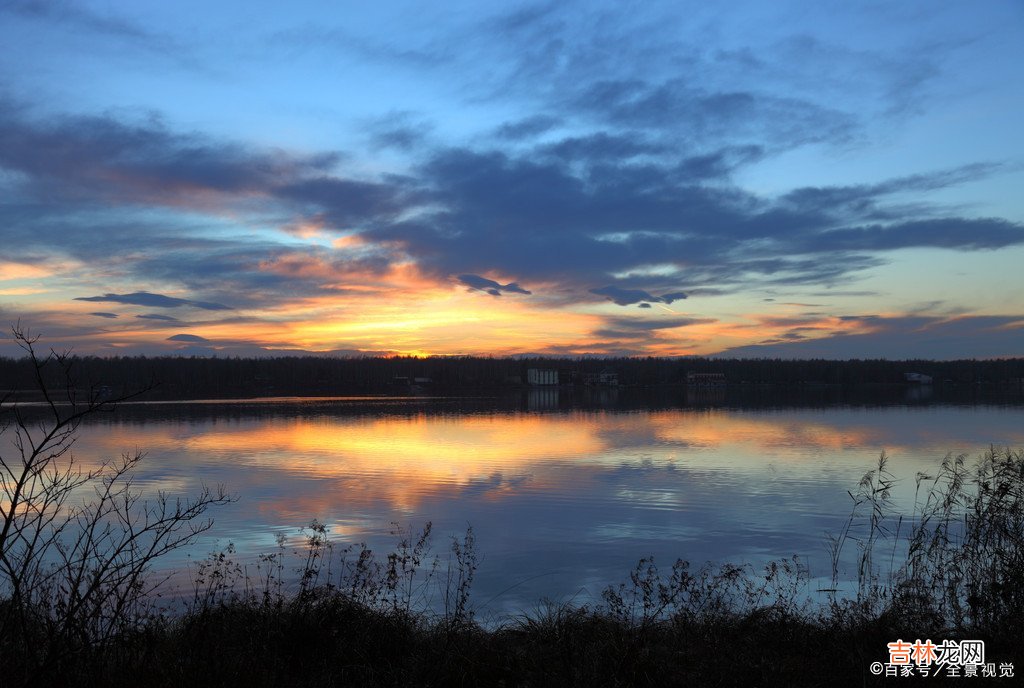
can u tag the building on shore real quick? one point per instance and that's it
(917, 378)
(606, 378)
(705, 379)
(541, 376)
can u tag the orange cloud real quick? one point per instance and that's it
(10, 270)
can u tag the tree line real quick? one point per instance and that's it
(169, 377)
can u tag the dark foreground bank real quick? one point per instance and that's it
(336, 643)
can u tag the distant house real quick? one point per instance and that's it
(606, 378)
(918, 378)
(542, 376)
(705, 379)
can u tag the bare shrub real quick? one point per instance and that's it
(77, 546)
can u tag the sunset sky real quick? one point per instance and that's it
(754, 179)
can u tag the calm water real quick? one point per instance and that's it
(564, 498)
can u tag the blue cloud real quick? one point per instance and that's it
(576, 211)
(902, 337)
(187, 338)
(628, 297)
(157, 316)
(145, 298)
(477, 283)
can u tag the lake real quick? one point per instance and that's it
(564, 493)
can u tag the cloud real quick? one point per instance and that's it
(402, 131)
(673, 296)
(104, 315)
(345, 203)
(618, 175)
(616, 66)
(187, 338)
(627, 297)
(646, 325)
(720, 163)
(315, 34)
(528, 127)
(157, 316)
(861, 200)
(145, 298)
(950, 233)
(600, 146)
(80, 17)
(619, 328)
(902, 337)
(102, 157)
(24, 269)
(577, 212)
(676, 104)
(493, 288)
(549, 219)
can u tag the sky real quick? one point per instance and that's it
(783, 179)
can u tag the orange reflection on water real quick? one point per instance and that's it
(761, 432)
(400, 461)
(395, 460)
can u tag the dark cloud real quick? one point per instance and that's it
(646, 325)
(675, 104)
(104, 315)
(627, 297)
(951, 232)
(903, 337)
(345, 203)
(863, 201)
(105, 158)
(591, 212)
(493, 288)
(847, 292)
(157, 316)
(402, 131)
(145, 298)
(622, 328)
(78, 16)
(720, 163)
(547, 219)
(401, 138)
(613, 65)
(527, 128)
(187, 338)
(601, 147)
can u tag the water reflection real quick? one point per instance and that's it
(542, 399)
(564, 500)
